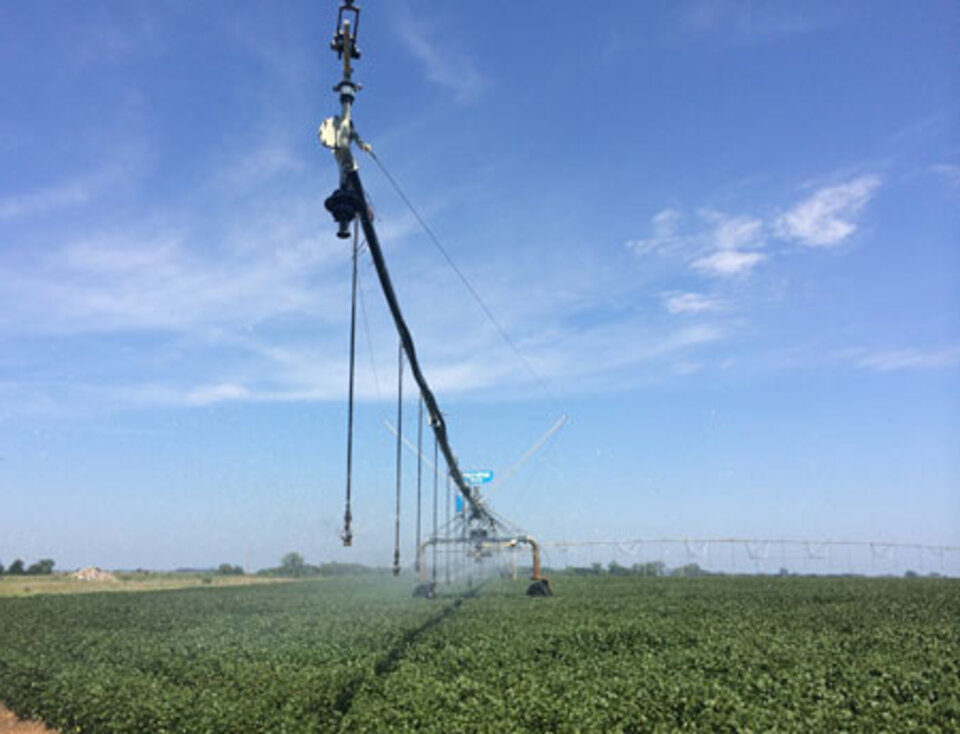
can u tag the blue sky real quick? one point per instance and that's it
(724, 234)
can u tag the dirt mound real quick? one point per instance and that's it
(92, 573)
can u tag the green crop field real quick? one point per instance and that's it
(604, 654)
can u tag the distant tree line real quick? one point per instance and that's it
(293, 565)
(42, 567)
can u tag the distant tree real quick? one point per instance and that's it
(690, 569)
(597, 569)
(615, 569)
(910, 574)
(292, 564)
(16, 568)
(225, 569)
(1, 569)
(651, 568)
(42, 567)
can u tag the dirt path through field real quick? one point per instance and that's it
(10, 724)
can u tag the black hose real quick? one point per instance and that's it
(433, 409)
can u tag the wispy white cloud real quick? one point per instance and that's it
(444, 65)
(130, 280)
(825, 218)
(665, 237)
(713, 250)
(828, 216)
(680, 303)
(554, 320)
(622, 354)
(910, 359)
(928, 127)
(263, 320)
(106, 36)
(43, 200)
(273, 157)
(818, 355)
(731, 232)
(221, 392)
(949, 171)
(728, 247)
(120, 167)
(750, 20)
(258, 310)
(726, 263)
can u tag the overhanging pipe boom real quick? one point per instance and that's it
(349, 202)
(433, 409)
(347, 205)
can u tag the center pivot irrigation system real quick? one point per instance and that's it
(477, 530)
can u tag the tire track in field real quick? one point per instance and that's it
(395, 655)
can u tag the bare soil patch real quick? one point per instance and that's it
(10, 724)
(67, 583)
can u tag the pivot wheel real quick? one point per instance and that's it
(540, 587)
(426, 591)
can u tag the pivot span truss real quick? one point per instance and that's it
(663, 556)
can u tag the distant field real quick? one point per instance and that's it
(64, 583)
(604, 654)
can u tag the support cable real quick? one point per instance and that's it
(369, 341)
(346, 535)
(396, 530)
(463, 279)
(419, 478)
(436, 484)
(446, 557)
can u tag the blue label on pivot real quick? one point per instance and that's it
(478, 477)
